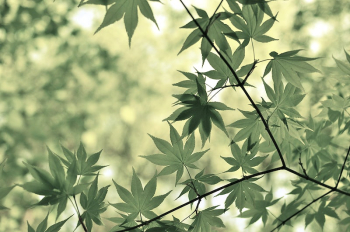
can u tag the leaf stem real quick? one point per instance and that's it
(251, 39)
(239, 83)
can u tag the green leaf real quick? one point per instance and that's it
(243, 193)
(83, 200)
(207, 218)
(344, 67)
(176, 155)
(61, 206)
(30, 228)
(128, 9)
(41, 176)
(245, 158)
(81, 153)
(141, 200)
(199, 113)
(289, 65)
(93, 189)
(5, 190)
(215, 31)
(56, 168)
(43, 225)
(57, 226)
(250, 23)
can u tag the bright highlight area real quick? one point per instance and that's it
(84, 18)
(319, 29)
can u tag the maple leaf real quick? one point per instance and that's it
(140, 200)
(199, 112)
(176, 155)
(128, 9)
(289, 65)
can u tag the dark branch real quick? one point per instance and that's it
(202, 196)
(299, 211)
(240, 84)
(81, 220)
(342, 169)
(316, 181)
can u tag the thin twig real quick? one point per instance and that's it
(223, 87)
(250, 72)
(299, 211)
(342, 169)
(301, 164)
(211, 18)
(217, 91)
(195, 190)
(239, 83)
(79, 216)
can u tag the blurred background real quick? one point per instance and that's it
(60, 84)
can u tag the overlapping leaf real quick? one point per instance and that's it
(289, 65)
(320, 214)
(58, 185)
(262, 4)
(169, 226)
(214, 27)
(251, 127)
(176, 155)
(199, 113)
(249, 22)
(196, 186)
(221, 71)
(93, 204)
(245, 158)
(191, 83)
(82, 164)
(281, 112)
(140, 200)
(243, 193)
(206, 219)
(259, 209)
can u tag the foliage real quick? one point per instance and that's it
(273, 137)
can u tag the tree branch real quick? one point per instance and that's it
(316, 181)
(299, 211)
(342, 169)
(202, 196)
(239, 83)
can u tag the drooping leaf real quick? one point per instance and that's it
(128, 9)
